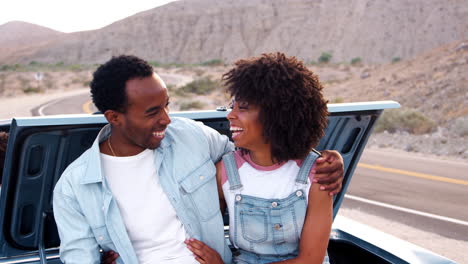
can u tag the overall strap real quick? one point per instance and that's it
(231, 171)
(306, 166)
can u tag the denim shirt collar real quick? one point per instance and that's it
(93, 170)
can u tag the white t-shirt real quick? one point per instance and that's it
(269, 182)
(157, 235)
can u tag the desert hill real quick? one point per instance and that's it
(20, 33)
(24, 38)
(193, 31)
(435, 83)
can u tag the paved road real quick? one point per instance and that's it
(77, 104)
(425, 193)
(432, 193)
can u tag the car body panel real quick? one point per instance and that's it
(390, 248)
(40, 148)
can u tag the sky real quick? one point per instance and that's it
(73, 15)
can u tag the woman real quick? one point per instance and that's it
(276, 213)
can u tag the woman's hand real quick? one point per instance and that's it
(109, 257)
(329, 171)
(203, 253)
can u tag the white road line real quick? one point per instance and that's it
(41, 109)
(406, 210)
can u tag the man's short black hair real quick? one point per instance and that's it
(109, 80)
(293, 111)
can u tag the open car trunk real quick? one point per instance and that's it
(40, 148)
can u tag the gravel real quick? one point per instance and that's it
(443, 143)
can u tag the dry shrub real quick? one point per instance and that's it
(337, 100)
(202, 86)
(407, 120)
(459, 126)
(325, 57)
(191, 105)
(355, 61)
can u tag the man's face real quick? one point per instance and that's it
(147, 115)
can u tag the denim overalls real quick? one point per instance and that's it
(267, 230)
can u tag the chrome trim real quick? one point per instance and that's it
(26, 259)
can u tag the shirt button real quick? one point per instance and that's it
(101, 238)
(299, 193)
(274, 204)
(277, 226)
(202, 177)
(238, 198)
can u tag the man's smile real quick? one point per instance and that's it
(159, 134)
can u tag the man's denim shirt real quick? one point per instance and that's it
(88, 217)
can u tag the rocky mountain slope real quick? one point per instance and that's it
(435, 83)
(192, 31)
(18, 37)
(20, 33)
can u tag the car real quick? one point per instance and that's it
(40, 148)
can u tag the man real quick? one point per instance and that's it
(148, 182)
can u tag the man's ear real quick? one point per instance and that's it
(113, 117)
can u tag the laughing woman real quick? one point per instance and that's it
(276, 212)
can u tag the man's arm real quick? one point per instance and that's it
(77, 242)
(329, 171)
(218, 144)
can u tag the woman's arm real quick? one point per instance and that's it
(316, 230)
(219, 181)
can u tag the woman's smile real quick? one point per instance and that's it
(236, 131)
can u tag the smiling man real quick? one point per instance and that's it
(148, 181)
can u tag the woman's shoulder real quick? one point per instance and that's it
(239, 158)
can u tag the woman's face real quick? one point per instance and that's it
(246, 129)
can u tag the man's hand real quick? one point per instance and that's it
(109, 257)
(329, 171)
(203, 253)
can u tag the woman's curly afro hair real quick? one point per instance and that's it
(293, 111)
(109, 80)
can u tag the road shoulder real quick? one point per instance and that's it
(21, 106)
